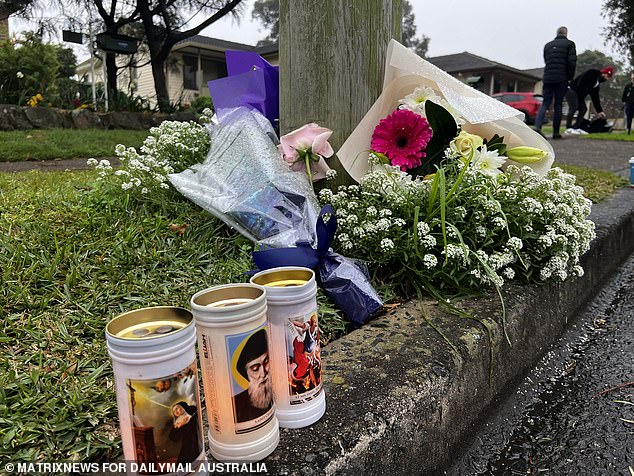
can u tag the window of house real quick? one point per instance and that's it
(190, 67)
(213, 69)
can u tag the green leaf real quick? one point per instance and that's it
(444, 130)
(8, 437)
(496, 143)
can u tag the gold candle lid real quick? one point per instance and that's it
(149, 322)
(283, 277)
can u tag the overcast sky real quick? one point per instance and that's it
(512, 32)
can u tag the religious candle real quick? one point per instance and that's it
(156, 380)
(291, 294)
(235, 360)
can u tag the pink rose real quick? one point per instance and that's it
(309, 139)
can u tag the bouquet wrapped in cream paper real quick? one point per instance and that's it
(452, 119)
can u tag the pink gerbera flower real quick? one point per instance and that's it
(402, 137)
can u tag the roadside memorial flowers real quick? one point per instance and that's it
(458, 194)
(306, 148)
(245, 182)
(402, 137)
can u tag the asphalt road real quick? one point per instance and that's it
(574, 414)
(612, 156)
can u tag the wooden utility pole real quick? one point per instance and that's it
(332, 55)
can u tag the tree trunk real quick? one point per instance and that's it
(332, 55)
(111, 71)
(160, 85)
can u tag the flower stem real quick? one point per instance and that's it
(310, 175)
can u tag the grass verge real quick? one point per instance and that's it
(597, 184)
(71, 259)
(618, 136)
(49, 144)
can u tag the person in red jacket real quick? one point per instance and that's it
(583, 85)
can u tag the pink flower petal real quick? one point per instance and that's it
(321, 145)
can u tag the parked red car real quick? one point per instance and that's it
(528, 103)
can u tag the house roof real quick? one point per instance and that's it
(216, 44)
(468, 62)
(536, 72)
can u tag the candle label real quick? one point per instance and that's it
(249, 374)
(303, 354)
(209, 384)
(166, 423)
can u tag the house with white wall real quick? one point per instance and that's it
(191, 64)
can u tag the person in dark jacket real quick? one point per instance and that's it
(560, 57)
(628, 99)
(583, 85)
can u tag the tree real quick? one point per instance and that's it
(620, 30)
(163, 22)
(115, 16)
(11, 7)
(408, 31)
(267, 12)
(30, 69)
(594, 59)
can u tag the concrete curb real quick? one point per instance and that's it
(400, 401)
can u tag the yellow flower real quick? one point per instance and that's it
(465, 144)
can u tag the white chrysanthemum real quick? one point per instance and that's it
(488, 162)
(416, 100)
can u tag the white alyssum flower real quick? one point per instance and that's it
(386, 245)
(430, 261)
(171, 147)
(515, 243)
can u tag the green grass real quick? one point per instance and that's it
(614, 135)
(619, 136)
(597, 184)
(70, 260)
(49, 144)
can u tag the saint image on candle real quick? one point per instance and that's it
(253, 365)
